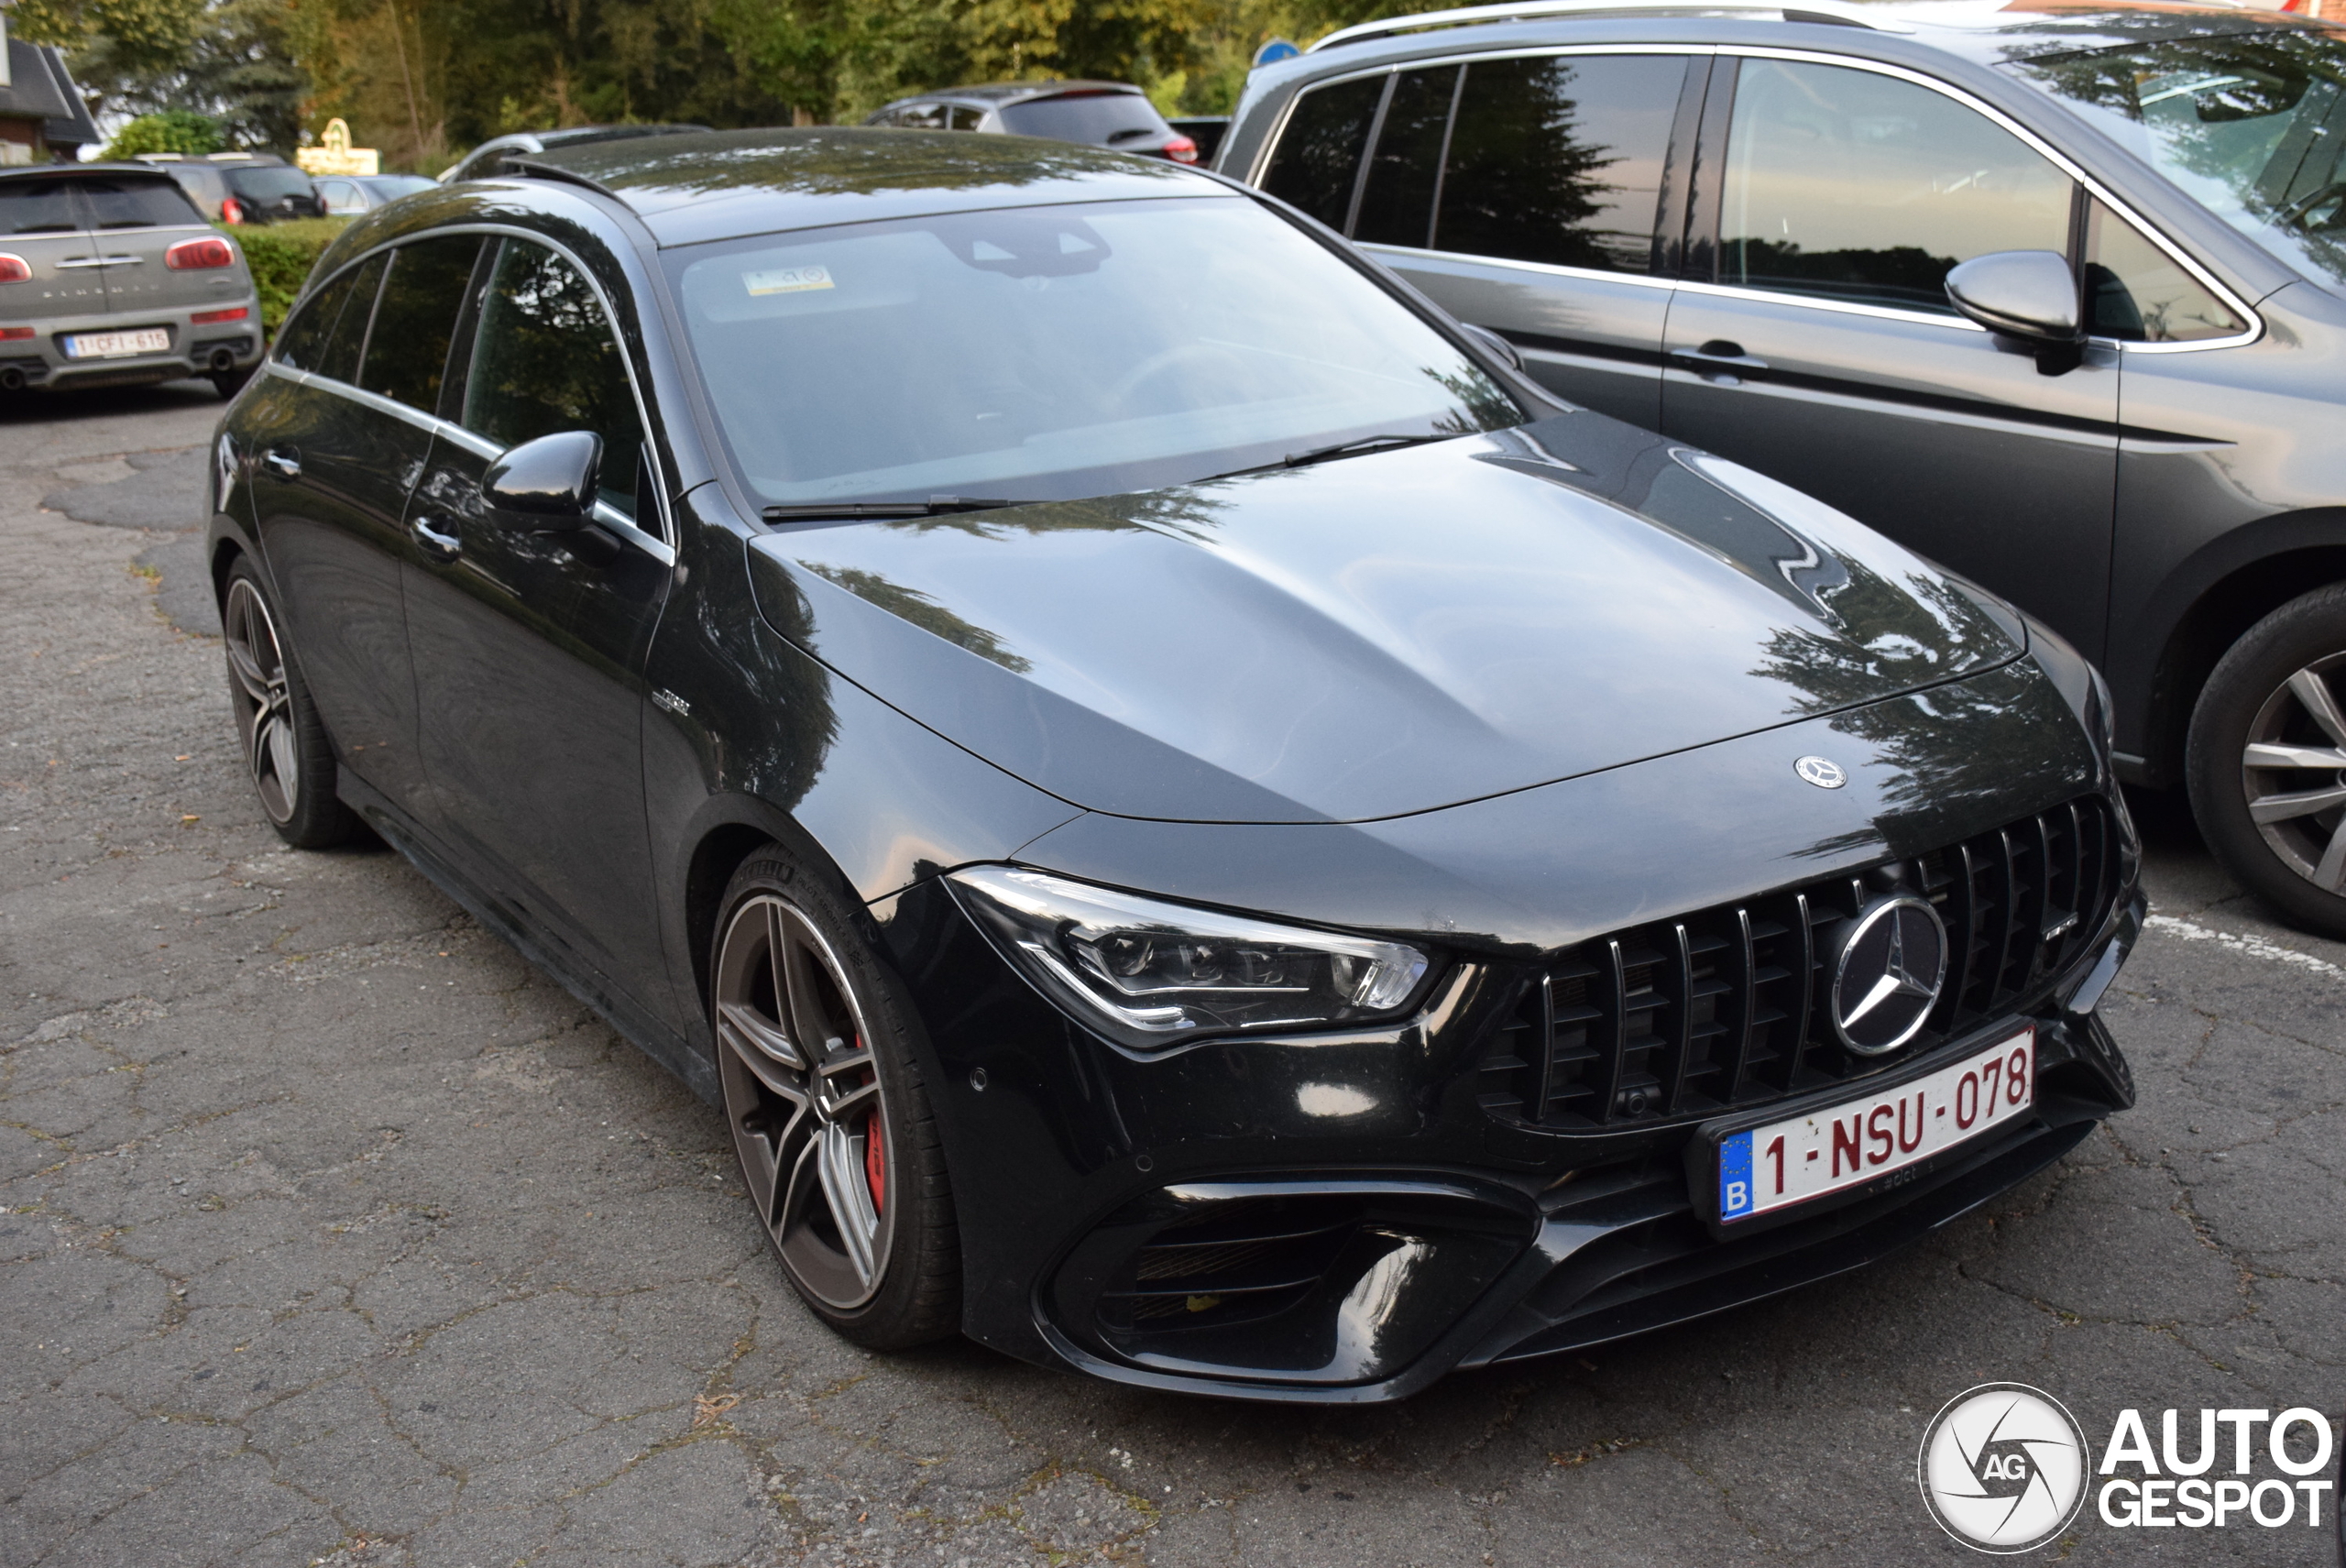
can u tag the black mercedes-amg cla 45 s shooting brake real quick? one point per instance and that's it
(1199, 826)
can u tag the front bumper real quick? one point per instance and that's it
(40, 362)
(1180, 1224)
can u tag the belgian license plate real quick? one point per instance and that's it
(115, 344)
(1764, 1169)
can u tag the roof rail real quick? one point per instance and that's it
(1834, 13)
(531, 168)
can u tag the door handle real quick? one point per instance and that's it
(1720, 362)
(283, 462)
(438, 545)
(81, 261)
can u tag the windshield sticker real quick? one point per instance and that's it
(788, 280)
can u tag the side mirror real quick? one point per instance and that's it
(1506, 351)
(2028, 294)
(547, 485)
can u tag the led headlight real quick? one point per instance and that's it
(1150, 975)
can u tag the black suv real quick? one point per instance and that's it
(242, 187)
(2054, 295)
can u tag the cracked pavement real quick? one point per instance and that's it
(331, 1232)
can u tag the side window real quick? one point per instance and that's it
(2137, 292)
(311, 340)
(1560, 159)
(339, 359)
(922, 116)
(1318, 157)
(1396, 205)
(965, 118)
(408, 351)
(1860, 186)
(545, 359)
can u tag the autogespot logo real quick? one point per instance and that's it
(2004, 1467)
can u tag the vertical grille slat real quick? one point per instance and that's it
(1727, 1007)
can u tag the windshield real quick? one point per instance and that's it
(1049, 353)
(2253, 126)
(1101, 119)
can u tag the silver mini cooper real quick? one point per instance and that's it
(110, 277)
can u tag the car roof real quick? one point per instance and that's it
(721, 184)
(997, 93)
(1981, 30)
(67, 171)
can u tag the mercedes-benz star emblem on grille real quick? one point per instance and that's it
(1889, 973)
(1822, 772)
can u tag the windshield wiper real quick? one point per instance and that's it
(935, 506)
(1356, 447)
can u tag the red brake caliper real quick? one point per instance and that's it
(875, 1162)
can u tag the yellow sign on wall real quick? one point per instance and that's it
(334, 155)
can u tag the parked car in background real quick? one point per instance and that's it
(110, 277)
(2054, 297)
(1202, 829)
(488, 158)
(241, 187)
(347, 195)
(1205, 130)
(1098, 114)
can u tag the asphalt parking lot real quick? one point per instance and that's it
(331, 1231)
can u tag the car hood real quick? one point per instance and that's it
(1379, 635)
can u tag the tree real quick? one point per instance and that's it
(173, 130)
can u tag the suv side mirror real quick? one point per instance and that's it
(2028, 294)
(548, 485)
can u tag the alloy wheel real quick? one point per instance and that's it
(802, 1091)
(263, 700)
(2294, 772)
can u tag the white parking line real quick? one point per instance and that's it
(2248, 947)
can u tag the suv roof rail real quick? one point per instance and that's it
(1834, 13)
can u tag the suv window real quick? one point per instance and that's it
(1101, 119)
(2138, 294)
(545, 359)
(407, 350)
(1856, 185)
(267, 185)
(1315, 165)
(37, 206)
(126, 202)
(1560, 159)
(1405, 172)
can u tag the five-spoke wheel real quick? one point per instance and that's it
(285, 745)
(2267, 761)
(824, 1100)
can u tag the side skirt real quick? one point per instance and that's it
(647, 1034)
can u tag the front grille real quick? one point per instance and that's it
(1723, 1008)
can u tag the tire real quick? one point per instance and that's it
(228, 383)
(829, 1110)
(2267, 761)
(286, 749)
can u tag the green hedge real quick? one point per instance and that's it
(280, 256)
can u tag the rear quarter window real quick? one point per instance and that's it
(1317, 161)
